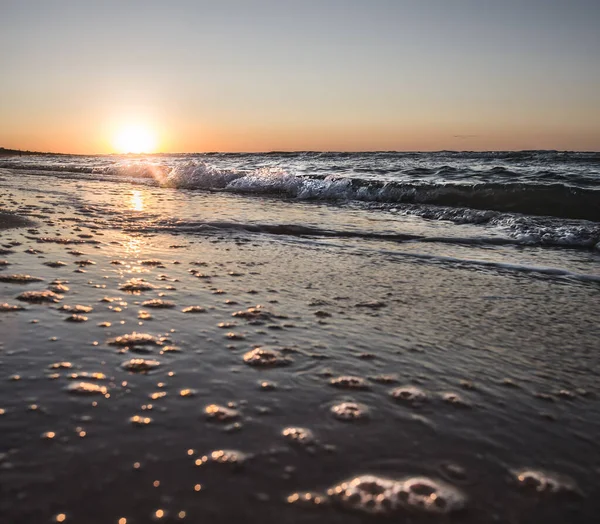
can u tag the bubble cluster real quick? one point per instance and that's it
(254, 315)
(138, 420)
(298, 435)
(409, 395)
(140, 365)
(84, 263)
(349, 411)
(134, 339)
(194, 309)
(368, 494)
(169, 349)
(136, 285)
(223, 456)
(382, 496)
(307, 499)
(158, 303)
(56, 264)
(60, 365)
(76, 309)
(5, 307)
(58, 287)
(263, 357)
(544, 482)
(349, 382)
(19, 279)
(152, 263)
(221, 413)
(86, 388)
(76, 318)
(39, 297)
(455, 399)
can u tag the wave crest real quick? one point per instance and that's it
(557, 200)
(199, 175)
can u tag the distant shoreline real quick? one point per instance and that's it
(5, 152)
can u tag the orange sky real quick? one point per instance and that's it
(211, 76)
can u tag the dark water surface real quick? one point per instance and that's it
(473, 348)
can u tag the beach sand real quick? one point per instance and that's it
(136, 391)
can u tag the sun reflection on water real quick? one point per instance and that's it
(137, 200)
(133, 246)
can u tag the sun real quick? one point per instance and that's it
(135, 139)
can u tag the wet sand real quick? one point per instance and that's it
(8, 221)
(221, 377)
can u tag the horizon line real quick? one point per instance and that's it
(12, 152)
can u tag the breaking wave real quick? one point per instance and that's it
(557, 200)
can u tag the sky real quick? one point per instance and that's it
(259, 75)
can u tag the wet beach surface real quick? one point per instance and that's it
(155, 373)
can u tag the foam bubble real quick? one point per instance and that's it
(140, 365)
(267, 385)
(254, 315)
(93, 375)
(307, 499)
(383, 496)
(76, 318)
(349, 382)
(60, 365)
(136, 285)
(83, 263)
(455, 399)
(134, 339)
(223, 456)
(58, 288)
(431, 496)
(5, 307)
(76, 309)
(368, 494)
(39, 297)
(543, 482)
(349, 411)
(221, 413)
(140, 421)
(152, 263)
(158, 303)
(194, 309)
(263, 357)
(55, 264)
(409, 395)
(19, 279)
(169, 349)
(86, 388)
(298, 435)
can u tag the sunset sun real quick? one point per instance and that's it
(135, 139)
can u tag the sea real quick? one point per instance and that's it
(300, 337)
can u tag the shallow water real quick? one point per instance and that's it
(108, 417)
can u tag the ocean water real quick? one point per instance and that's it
(300, 337)
(530, 197)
